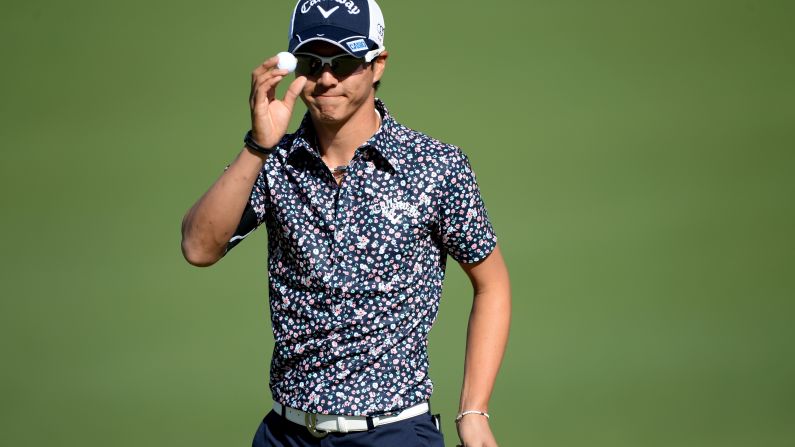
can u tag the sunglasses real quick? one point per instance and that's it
(342, 65)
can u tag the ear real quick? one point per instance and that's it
(379, 65)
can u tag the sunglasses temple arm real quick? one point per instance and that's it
(372, 54)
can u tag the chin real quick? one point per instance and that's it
(329, 113)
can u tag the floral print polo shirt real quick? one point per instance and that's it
(355, 270)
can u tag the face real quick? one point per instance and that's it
(332, 99)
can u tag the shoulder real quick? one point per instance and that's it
(426, 150)
(416, 147)
(444, 164)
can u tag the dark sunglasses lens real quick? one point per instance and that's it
(307, 65)
(344, 66)
(312, 66)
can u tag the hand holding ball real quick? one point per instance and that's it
(286, 61)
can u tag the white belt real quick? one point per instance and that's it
(320, 424)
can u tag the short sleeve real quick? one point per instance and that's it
(466, 231)
(253, 214)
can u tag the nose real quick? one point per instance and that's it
(326, 77)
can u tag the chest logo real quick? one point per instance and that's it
(394, 209)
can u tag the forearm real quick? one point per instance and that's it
(487, 336)
(210, 222)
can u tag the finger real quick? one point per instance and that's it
(258, 78)
(269, 80)
(266, 65)
(268, 89)
(262, 78)
(260, 95)
(293, 91)
(254, 97)
(280, 72)
(268, 86)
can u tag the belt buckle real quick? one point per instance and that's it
(310, 419)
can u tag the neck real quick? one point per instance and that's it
(339, 141)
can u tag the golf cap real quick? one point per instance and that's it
(356, 26)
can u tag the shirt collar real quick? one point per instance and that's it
(384, 142)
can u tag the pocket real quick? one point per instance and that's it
(426, 431)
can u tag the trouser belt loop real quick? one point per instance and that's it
(284, 411)
(370, 424)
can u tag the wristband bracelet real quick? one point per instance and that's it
(254, 146)
(464, 413)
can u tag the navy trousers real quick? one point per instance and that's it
(418, 431)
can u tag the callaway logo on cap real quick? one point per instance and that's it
(356, 26)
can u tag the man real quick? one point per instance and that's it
(361, 213)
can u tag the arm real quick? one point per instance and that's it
(208, 225)
(210, 222)
(487, 336)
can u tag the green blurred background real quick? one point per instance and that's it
(636, 158)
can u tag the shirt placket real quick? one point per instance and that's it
(340, 209)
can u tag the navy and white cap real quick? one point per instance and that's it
(356, 26)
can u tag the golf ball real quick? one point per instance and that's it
(286, 61)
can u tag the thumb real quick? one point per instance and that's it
(293, 91)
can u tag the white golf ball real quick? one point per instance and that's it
(286, 61)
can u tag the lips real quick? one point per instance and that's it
(327, 97)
